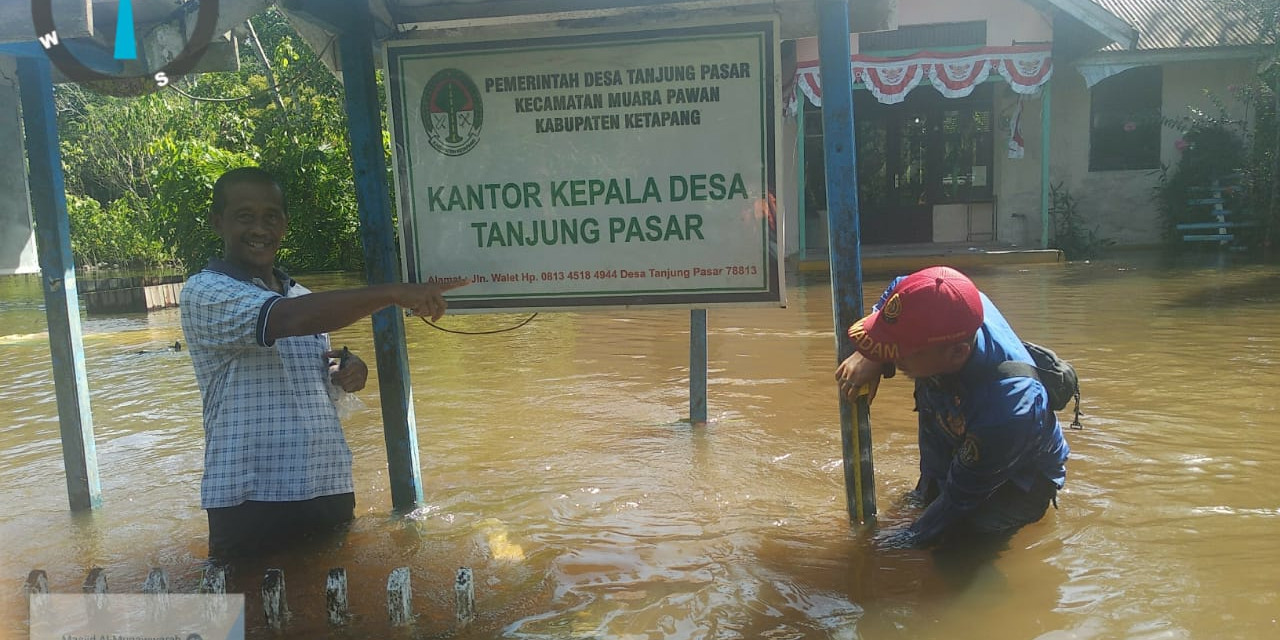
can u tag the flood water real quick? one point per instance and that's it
(556, 464)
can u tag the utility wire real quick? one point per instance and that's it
(480, 333)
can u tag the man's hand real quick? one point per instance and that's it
(857, 371)
(328, 311)
(351, 373)
(896, 539)
(426, 300)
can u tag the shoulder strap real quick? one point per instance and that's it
(1014, 369)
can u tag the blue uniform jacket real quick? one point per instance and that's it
(978, 431)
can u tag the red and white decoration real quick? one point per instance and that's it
(953, 74)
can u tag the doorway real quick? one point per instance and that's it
(927, 150)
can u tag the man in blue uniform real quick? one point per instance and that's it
(992, 455)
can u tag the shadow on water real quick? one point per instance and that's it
(1260, 289)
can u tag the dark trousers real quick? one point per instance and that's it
(1011, 508)
(254, 528)
(1001, 515)
(971, 545)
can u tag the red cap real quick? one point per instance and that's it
(933, 306)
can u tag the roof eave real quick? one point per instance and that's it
(1099, 19)
(1165, 56)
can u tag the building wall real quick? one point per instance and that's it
(1120, 203)
(788, 191)
(1007, 21)
(1017, 182)
(17, 242)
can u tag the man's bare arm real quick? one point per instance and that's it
(332, 310)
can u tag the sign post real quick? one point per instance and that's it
(845, 247)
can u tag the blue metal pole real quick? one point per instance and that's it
(698, 366)
(844, 242)
(377, 233)
(58, 272)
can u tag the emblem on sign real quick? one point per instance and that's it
(452, 112)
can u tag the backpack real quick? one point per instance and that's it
(1057, 376)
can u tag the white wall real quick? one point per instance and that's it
(1120, 203)
(17, 242)
(1007, 21)
(788, 209)
(1017, 182)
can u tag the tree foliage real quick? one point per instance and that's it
(140, 171)
(1234, 151)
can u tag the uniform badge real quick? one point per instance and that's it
(954, 423)
(968, 453)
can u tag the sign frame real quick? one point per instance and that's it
(402, 109)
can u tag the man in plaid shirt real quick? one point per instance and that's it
(277, 466)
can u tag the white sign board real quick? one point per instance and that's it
(610, 169)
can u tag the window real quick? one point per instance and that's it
(1125, 121)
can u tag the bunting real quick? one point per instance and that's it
(954, 74)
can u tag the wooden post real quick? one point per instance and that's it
(399, 597)
(844, 243)
(37, 582)
(464, 588)
(157, 584)
(214, 581)
(364, 124)
(335, 597)
(275, 606)
(58, 275)
(698, 367)
(95, 584)
(37, 588)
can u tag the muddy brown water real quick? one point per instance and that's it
(556, 464)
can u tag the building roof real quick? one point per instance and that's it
(1182, 24)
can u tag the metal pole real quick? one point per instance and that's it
(844, 243)
(1046, 101)
(697, 366)
(377, 234)
(58, 275)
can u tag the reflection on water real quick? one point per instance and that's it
(556, 464)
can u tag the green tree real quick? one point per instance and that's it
(148, 163)
(1261, 171)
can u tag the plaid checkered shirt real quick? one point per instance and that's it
(271, 429)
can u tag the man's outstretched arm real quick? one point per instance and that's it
(332, 310)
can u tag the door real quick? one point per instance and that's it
(894, 171)
(925, 151)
